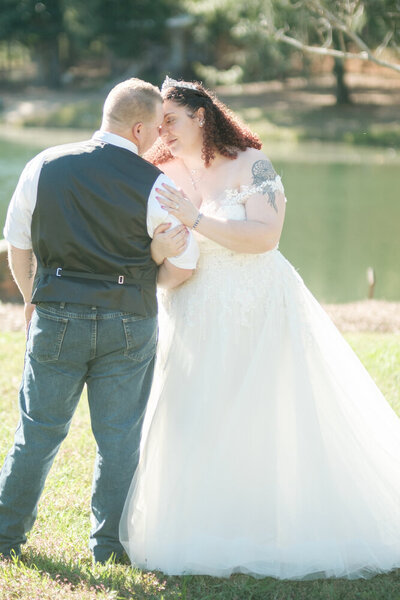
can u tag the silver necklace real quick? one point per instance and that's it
(194, 178)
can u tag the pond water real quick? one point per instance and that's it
(343, 211)
(342, 219)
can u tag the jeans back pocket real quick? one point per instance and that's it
(46, 335)
(141, 337)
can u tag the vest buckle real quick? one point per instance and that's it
(58, 272)
(121, 279)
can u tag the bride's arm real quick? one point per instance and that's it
(170, 276)
(265, 213)
(259, 233)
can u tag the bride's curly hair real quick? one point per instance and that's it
(223, 132)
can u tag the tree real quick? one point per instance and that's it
(228, 37)
(133, 29)
(250, 34)
(37, 25)
(339, 28)
(129, 28)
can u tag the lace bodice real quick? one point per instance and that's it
(237, 197)
(231, 204)
(235, 283)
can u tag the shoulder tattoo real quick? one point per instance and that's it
(263, 171)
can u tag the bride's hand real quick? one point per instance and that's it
(168, 242)
(176, 203)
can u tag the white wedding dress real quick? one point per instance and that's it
(267, 449)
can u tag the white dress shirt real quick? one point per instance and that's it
(17, 229)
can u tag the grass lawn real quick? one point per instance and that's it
(287, 111)
(56, 562)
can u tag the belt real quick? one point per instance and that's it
(60, 272)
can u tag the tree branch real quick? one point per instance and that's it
(365, 55)
(384, 42)
(336, 22)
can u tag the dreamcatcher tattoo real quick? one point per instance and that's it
(263, 172)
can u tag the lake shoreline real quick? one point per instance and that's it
(364, 316)
(304, 151)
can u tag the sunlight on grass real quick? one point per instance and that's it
(85, 114)
(380, 353)
(303, 115)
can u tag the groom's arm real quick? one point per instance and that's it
(174, 270)
(23, 268)
(17, 231)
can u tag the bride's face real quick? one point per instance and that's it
(181, 131)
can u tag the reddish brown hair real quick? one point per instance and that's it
(223, 132)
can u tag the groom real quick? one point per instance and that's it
(79, 228)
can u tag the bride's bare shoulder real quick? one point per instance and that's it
(251, 155)
(253, 162)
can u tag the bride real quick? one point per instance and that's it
(269, 450)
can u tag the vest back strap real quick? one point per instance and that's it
(119, 279)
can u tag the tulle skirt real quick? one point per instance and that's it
(267, 447)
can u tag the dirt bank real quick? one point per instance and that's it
(367, 315)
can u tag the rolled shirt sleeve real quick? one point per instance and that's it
(17, 229)
(157, 215)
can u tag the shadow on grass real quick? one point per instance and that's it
(129, 582)
(309, 110)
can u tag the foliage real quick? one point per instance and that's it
(37, 26)
(338, 28)
(29, 21)
(128, 28)
(337, 23)
(50, 28)
(381, 23)
(227, 41)
(228, 36)
(249, 34)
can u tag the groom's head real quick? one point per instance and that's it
(133, 109)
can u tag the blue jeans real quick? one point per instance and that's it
(69, 345)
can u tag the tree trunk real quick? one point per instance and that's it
(48, 61)
(342, 91)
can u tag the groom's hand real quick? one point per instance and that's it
(168, 242)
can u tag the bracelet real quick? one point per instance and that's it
(197, 221)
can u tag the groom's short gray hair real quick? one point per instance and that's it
(130, 102)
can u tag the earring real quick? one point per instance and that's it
(201, 123)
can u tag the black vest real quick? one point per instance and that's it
(90, 217)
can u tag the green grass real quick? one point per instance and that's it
(83, 114)
(308, 112)
(276, 118)
(357, 126)
(56, 562)
(354, 126)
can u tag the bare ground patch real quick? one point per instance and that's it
(376, 316)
